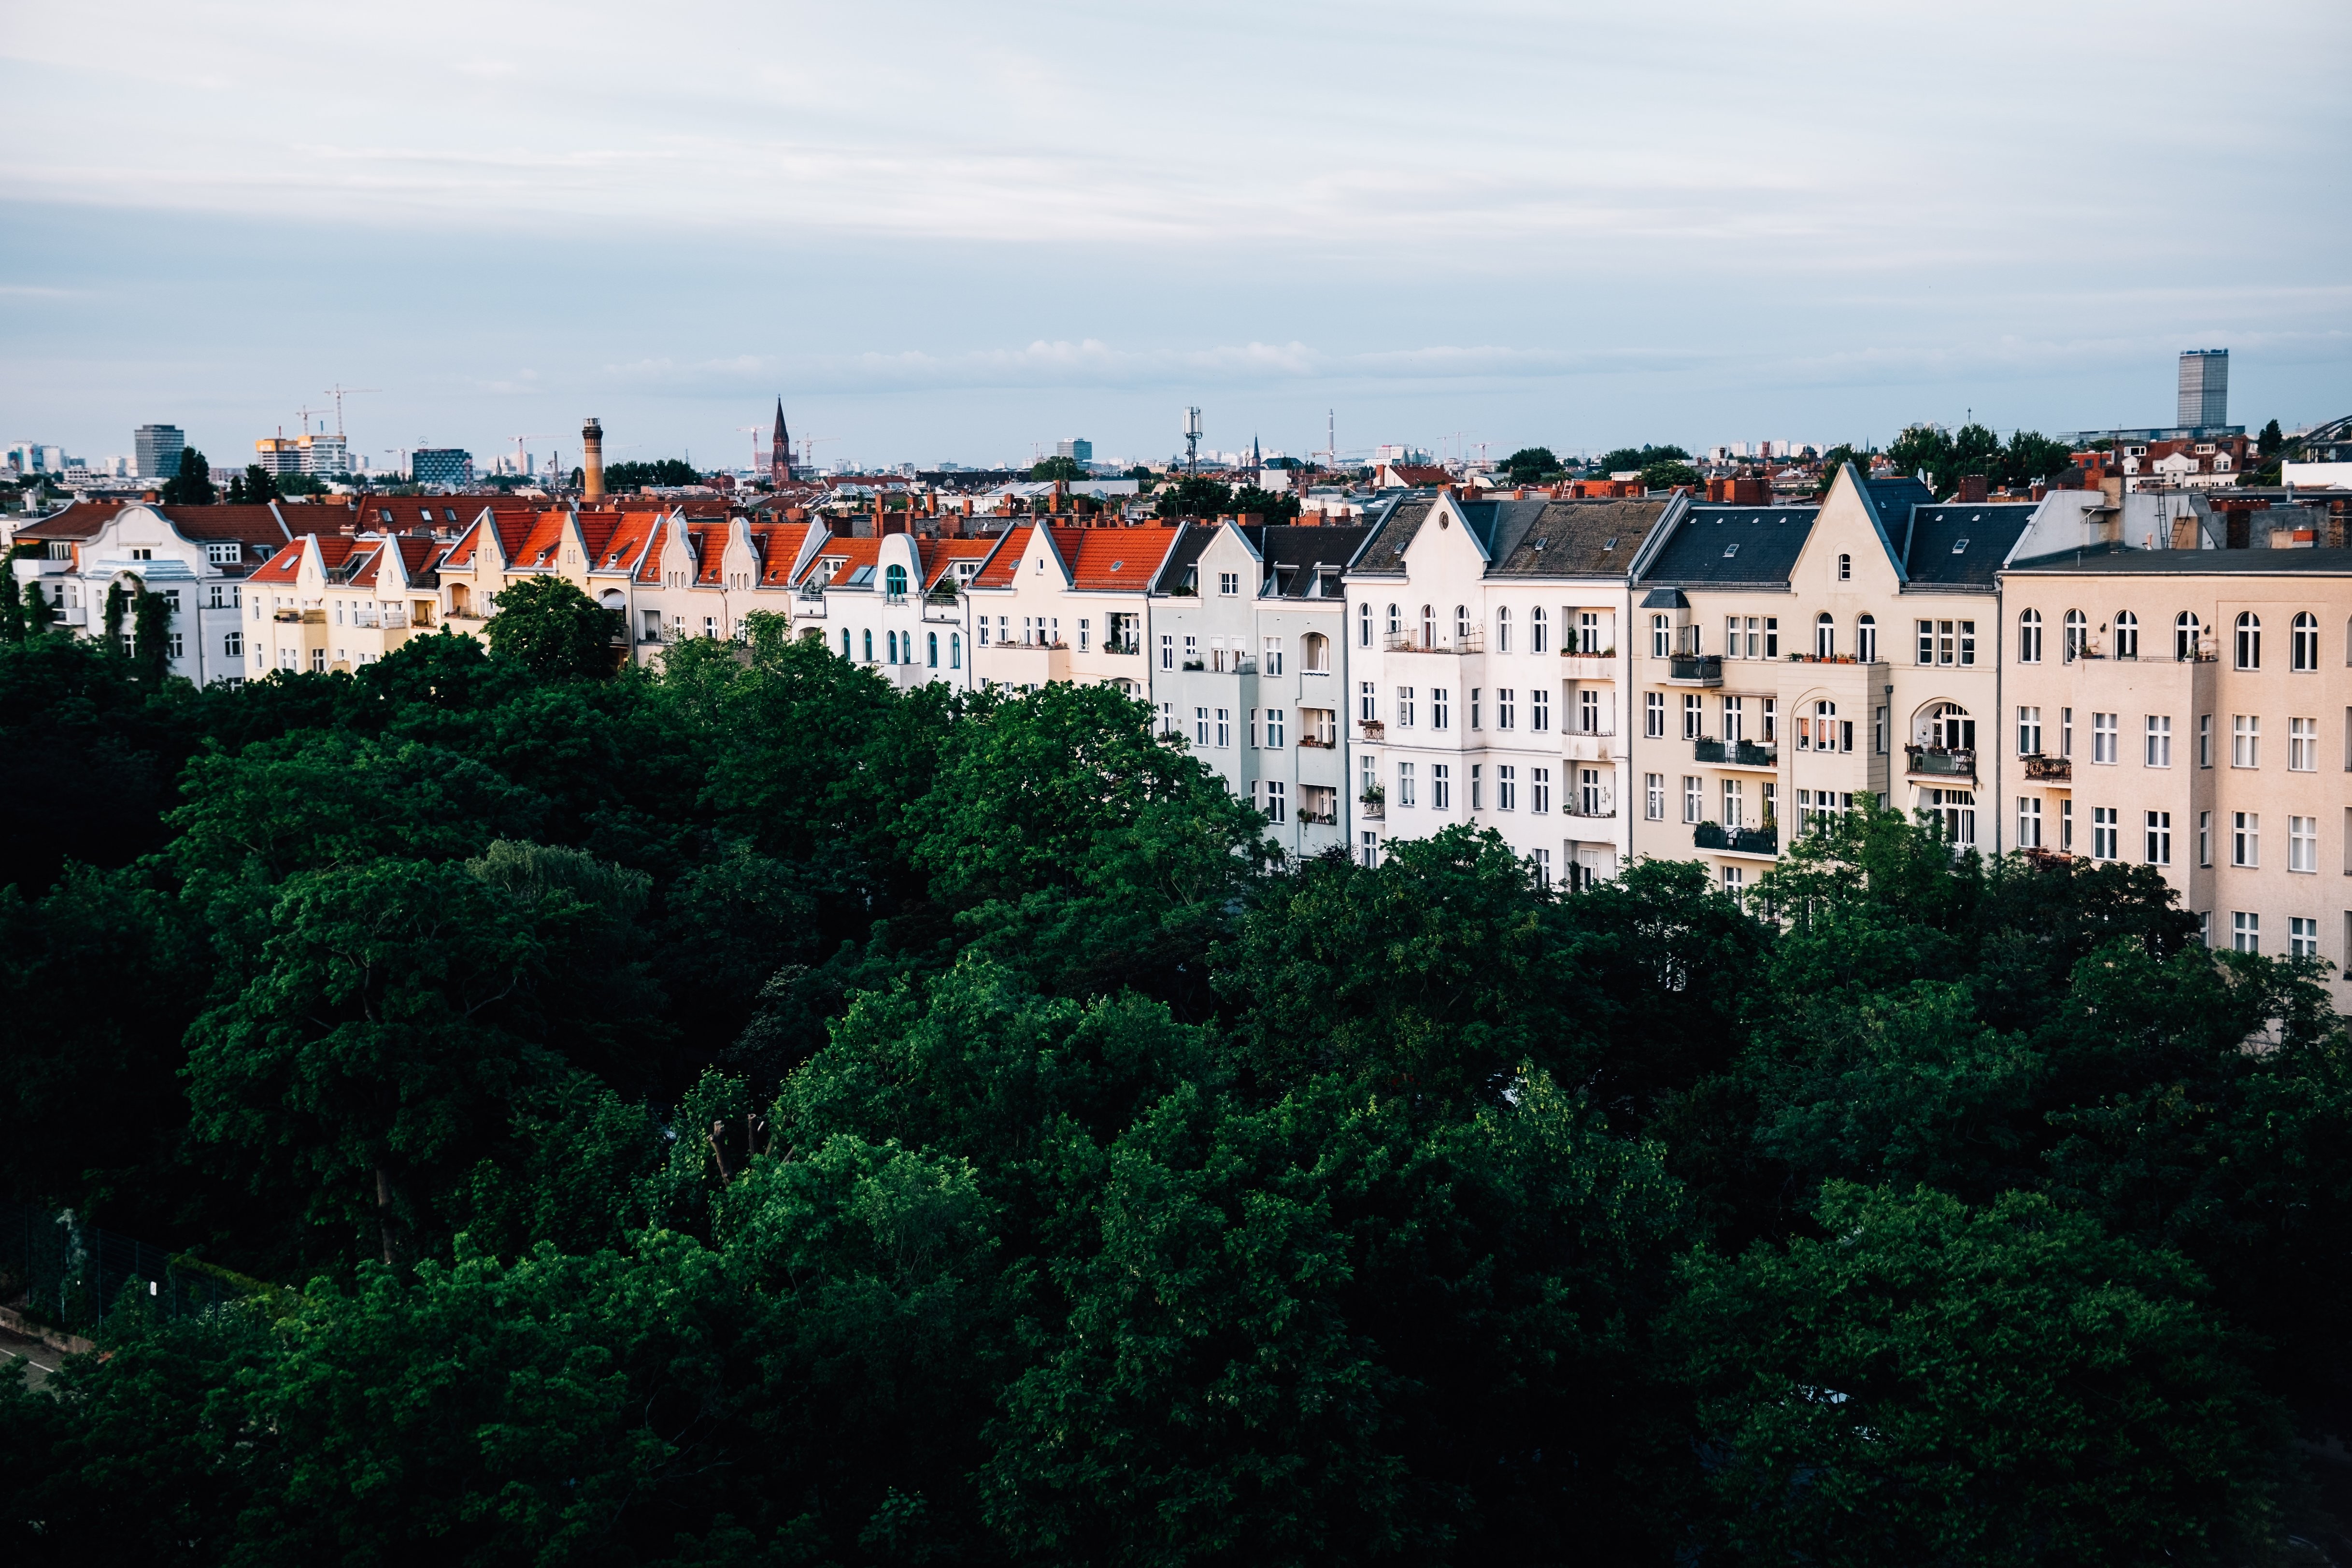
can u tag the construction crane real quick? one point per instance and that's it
(522, 458)
(338, 391)
(754, 430)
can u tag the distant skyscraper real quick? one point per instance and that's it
(2204, 387)
(450, 466)
(1082, 450)
(157, 448)
(780, 449)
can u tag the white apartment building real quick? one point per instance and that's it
(1053, 603)
(1488, 667)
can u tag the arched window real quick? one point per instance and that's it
(869, 646)
(894, 582)
(1865, 640)
(1428, 626)
(2185, 630)
(1824, 636)
(2126, 635)
(1953, 728)
(2078, 635)
(1845, 568)
(1396, 625)
(2250, 640)
(1503, 629)
(931, 649)
(1363, 626)
(955, 650)
(1315, 651)
(2304, 646)
(1536, 639)
(2029, 637)
(1460, 625)
(845, 642)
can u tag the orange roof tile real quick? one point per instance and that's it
(779, 544)
(1110, 559)
(1004, 560)
(851, 553)
(939, 555)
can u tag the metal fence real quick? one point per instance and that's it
(66, 1274)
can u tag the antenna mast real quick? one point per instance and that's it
(1193, 440)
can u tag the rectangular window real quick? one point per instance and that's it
(1475, 694)
(232, 646)
(1404, 707)
(1276, 724)
(1167, 645)
(1968, 642)
(1661, 638)
(1441, 787)
(1404, 784)
(2303, 746)
(2103, 738)
(1506, 787)
(2246, 838)
(2029, 823)
(2205, 740)
(1228, 583)
(1277, 801)
(1540, 866)
(1694, 798)
(2067, 827)
(1538, 790)
(1252, 729)
(1478, 786)
(1085, 632)
(1368, 702)
(2245, 930)
(2245, 740)
(1271, 662)
(2303, 844)
(1653, 715)
(1437, 707)
(1878, 732)
(1224, 726)
(2029, 731)
(1693, 716)
(1735, 712)
(1731, 637)
(1368, 848)
(2160, 741)
(2204, 838)
(2302, 937)
(1733, 801)
(1191, 650)
(1588, 713)
(176, 647)
(1506, 708)
(2066, 732)
(1538, 709)
(1772, 721)
(1655, 797)
(2159, 838)
(1771, 637)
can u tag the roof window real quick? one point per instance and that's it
(1116, 564)
(1959, 546)
(1731, 550)
(1611, 544)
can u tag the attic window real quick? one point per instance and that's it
(1731, 550)
(425, 512)
(1959, 546)
(450, 509)
(1611, 543)
(862, 576)
(385, 512)
(1116, 564)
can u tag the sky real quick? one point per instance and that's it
(959, 231)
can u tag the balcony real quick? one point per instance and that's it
(1589, 745)
(1128, 649)
(1603, 804)
(1466, 642)
(2055, 770)
(1373, 729)
(1736, 840)
(1320, 818)
(1320, 743)
(1695, 669)
(1372, 806)
(1601, 666)
(1942, 762)
(300, 617)
(1735, 754)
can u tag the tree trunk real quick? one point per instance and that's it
(384, 1210)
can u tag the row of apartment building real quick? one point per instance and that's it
(2089, 674)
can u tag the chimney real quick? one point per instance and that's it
(591, 461)
(893, 523)
(1972, 489)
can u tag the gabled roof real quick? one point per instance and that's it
(1888, 503)
(79, 520)
(248, 525)
(778, 546)
(1581, 539)
(649, 563)
(1004, 561)
(1733, 546)
(620, 542)
(1963, 544)
(1296, 555)
(1384, 556)
(859, 558)
(940, 555)
(334, 551)
(1113, 560)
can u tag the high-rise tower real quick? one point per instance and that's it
(2204, 388)
(780, 449)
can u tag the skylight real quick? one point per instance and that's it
(1731, 550)
(1959, 546)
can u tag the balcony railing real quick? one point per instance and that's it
(1320, 818)
(1372, 803)
(1130, 647)
(1738, 840)
(1464, 642)
(1735, 754)
(1696, 668)
(1373, 729)
(1603, 804)
(1942, 762)
(2057, 770)
(1325, 743)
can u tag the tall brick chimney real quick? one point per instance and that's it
(592, 462)
(1972, 489)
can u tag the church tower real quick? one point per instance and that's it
(780, 449)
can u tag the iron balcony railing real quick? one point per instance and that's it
(1942, 762)
(2055, 769)
(1706, 668)
(1734, 753)
(1740, 840)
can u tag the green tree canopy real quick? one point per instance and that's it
(193, 485)
(1057, 467)
(554, 630)
(1531, 465)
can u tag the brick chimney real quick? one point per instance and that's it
(1972, 489)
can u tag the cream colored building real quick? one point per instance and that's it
(340, 601)
(2192, 710)
(1066, 604)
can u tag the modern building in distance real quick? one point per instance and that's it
(157, 448)
(2204, 388)
(277, 456)
(448, 466)
(1076, 448)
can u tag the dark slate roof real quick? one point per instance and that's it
(1893, 499)
(1769, 539)
(1990, 532)
(1666, 599)
(1385, 555)
(2189, 562)
(1295, 553)
(1580, 539)
(1183, 556)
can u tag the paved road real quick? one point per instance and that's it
(45, 1358)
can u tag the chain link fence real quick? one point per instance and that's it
(65, 1273)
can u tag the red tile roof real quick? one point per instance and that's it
(617, 541)
(1004, 560)
(650, 563)
(248, 525)
(334, 549)
(851, 552)
(779, 544)
(939, 555)
(1110, 559)
(79, 520)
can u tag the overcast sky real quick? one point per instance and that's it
(956, 231)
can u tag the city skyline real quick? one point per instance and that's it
(948, 236)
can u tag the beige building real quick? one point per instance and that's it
(2192, 710)
(340, 601)
(1066, 604)
(1789, 661)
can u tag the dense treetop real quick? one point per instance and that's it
(748, 1114)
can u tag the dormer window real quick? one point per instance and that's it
(223, 554)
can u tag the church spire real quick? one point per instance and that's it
(780, 449)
